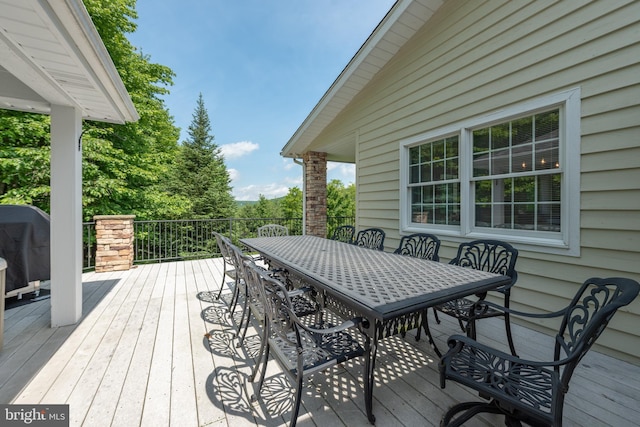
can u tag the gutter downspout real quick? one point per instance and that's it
(304, 194)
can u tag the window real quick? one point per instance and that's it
(434, 182)
(512, 175)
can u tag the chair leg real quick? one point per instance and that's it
(427, 330)
(261, 353)
(470, 409)
(296, 403)
(435, 314)
(246, 318)
(224, 274)
(507, 325)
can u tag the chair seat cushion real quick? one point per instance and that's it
(320, 350)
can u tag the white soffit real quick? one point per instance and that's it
(404, 19)
(51, 54)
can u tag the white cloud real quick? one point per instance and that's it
(233, 174)
(238, 149)
(253, 192)
(345, 172)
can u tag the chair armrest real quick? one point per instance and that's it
(331, 330)
(488, 304)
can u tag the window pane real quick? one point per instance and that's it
(481, 164)
(416, 195)
(505, 186)
(414, 155)
(547, 125)
(546, 155)
(524, 216)
(441, 193)
(425, 172)
(440, 215)
(451, 147)
(425, 153)
(414, 174)
(483, 191)
(522, 156)
(481, 140)
(500, 161)
(453, 193)
(438, 150)
(451, 169)
(524, 189)
(521, 131)
(500, 136)
(483, 215)
(438, 171)
(454, 215)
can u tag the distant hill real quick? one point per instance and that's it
(253, 202)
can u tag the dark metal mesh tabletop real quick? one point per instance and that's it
(383, 283)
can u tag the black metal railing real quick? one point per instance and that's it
(172, 240)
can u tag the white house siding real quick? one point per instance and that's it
(476, 57)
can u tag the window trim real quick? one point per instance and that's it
(567, 242)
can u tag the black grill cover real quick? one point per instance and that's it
(24, 244)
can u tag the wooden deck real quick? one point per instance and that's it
(154, 348)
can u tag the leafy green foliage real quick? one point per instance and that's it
(124, 166)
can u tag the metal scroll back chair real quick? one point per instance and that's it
(488, 255)
(372, 238)
(227, 260)
(300, 349)
(344, 233)
(301, 298)
(272, 230)
(419, 245)
(533, 391)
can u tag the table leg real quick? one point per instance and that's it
(370, 367)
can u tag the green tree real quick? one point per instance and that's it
(200, 173)
(292, 203)
(124, 166)
(341, 200)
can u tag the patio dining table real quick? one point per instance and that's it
(392, 292)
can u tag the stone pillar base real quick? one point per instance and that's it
(114, 239)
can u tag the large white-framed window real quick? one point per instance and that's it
(512, 175)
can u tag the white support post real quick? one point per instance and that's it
(66, 216)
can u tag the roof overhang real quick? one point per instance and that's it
(402, 21)
(51, 54)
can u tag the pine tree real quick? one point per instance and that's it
(200, 173)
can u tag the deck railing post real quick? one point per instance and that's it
(114, 242)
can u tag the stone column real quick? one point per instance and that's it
(114, 242)
(315, 172)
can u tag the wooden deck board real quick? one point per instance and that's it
(156, 348)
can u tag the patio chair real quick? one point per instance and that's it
(300, 349)
(272, 230)
(419, 245)
(344, 233)
(301, 298)
(533, 391)
(372, 238)
(487, 255)
(227, 260)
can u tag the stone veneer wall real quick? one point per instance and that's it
(316, 193)
(114, 238)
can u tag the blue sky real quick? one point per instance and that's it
(261, 67)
